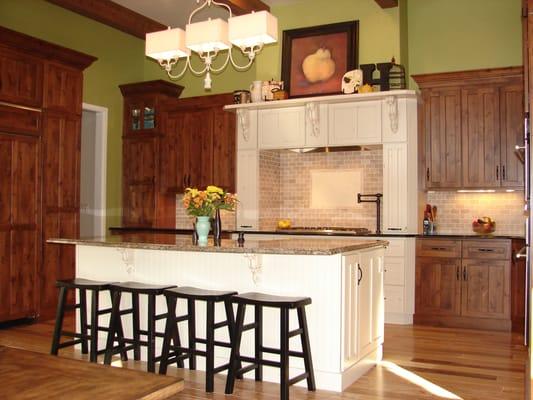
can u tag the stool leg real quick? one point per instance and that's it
(231, 327)
(176, 338)
(284, 354)
(192, 334)
(235, 350)
(258, 341)
(136, 326)
(113, 326)
(210, 347)
(83, 321)
(93, 353)
(151, 333)
(170, 326)
(306, 348)
(60, 313)
(122, 344)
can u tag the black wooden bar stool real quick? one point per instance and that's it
(126, 344)
(175, 352)
(82, 337)
(260, 300)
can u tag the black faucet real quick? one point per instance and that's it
(376, 199)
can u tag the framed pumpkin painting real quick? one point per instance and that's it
(315, 59)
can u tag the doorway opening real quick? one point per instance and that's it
(93, 171)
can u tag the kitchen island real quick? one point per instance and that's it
(343, 277)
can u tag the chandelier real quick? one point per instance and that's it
(249, 32)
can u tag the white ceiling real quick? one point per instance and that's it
(175, 13)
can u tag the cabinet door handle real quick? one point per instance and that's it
(497, 172)
(503, 172)
(481, 250)
(184, 181)
(189, 180)
(439, 248)
(458, 273)
(359, 275)
(465, 276)
(427, 174)
(394, 229)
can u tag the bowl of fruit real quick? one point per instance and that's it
(484, 226)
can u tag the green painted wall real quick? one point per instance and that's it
(378, 29)
(118, 62)
(454, 35)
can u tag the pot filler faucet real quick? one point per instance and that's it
(373, 198)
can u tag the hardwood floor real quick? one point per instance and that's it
(419, 363)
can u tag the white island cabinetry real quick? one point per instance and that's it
(345, 318)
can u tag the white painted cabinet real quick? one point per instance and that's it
(247, 212)
(395, 188)
(246, 129)
(281, 128)
(363, 305)
(354, 123)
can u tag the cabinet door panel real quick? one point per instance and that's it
(512, 132)
(486, 289)
(21, 79)
(248, 189)
(442, 110)
(23, 272)
(25, 182)
(364, 305)
(438, 286)
(6, 145)
(481, 137)
(281, 128)
(63, 88)
(5, 273)
(395, 187)
(224, 162)
(353, 124)
(198, 148)
(378, 301)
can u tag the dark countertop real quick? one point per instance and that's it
(339, 234)
(293, 246)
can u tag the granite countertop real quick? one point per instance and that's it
(336, 234)
(149, 241)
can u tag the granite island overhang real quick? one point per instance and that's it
(344, 279)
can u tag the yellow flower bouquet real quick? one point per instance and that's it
(204, 203)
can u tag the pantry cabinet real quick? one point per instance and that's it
(463, 283)
(472, 122)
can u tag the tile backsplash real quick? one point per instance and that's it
(456, 211)
(285, 188)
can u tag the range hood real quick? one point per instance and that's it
(336, 149)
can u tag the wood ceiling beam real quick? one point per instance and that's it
(239, 7)
(387, 3)
(112, 14)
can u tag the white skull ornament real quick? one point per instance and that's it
(351, 81)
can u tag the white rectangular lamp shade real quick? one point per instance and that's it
(206, 36)
(166, 45)
(253, 29)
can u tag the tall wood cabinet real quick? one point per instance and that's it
(143, 205)
(472, 122)
(40, 113)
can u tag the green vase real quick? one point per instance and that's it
(202, 229)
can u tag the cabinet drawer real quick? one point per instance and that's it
(487, 249)
(394, 270)
(438, 248)
(394, 299)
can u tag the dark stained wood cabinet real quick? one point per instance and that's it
(469, 287)
(472, 122)
(203, 138)
(143, 149)
(442, 117)
(40, 114)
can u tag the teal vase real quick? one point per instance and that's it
(202, 229)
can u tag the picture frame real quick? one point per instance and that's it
(314, 59)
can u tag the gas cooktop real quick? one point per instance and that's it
(325, 230)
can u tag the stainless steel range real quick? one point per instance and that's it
(325, 230)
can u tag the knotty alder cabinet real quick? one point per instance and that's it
(470, 123)
(463, 283)
(40, 113)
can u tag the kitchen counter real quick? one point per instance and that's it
(339, 234)
(343, 277)
(316, 247)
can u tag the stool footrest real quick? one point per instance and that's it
(72, 307)
(173, 358)
(120, 349)
(104, 311)
(295, 332)
(220, 368)
(255, 361)
(220, 324)
(73, 334)
(188, 351)
(278, 351)
(246, 369)
(298, 378)
(127, 311)
(161, 316)
(216, 343)
(247, 327)
(182, 318)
